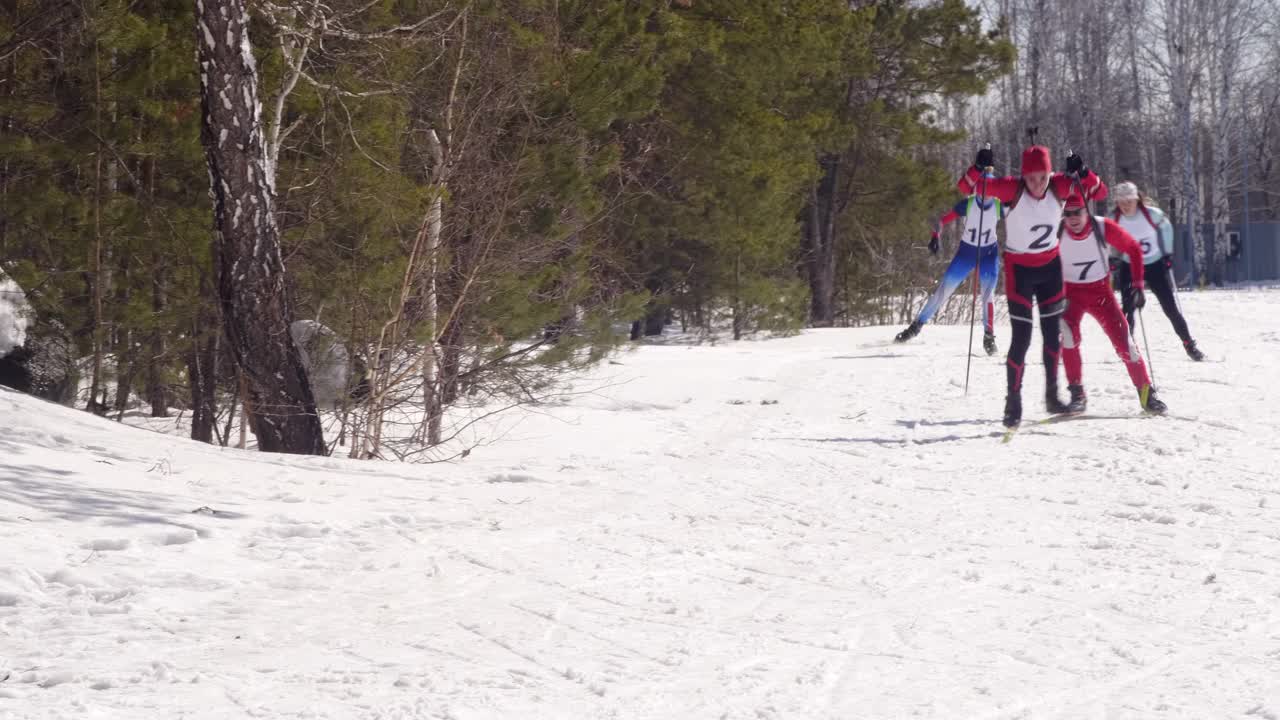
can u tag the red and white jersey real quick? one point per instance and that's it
(1084, 260)
(1031, 227)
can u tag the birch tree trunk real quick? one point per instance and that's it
(1229, 34)
(1182, 54)
(433, 388)
(1220, 181)
(433, 228)
(250, 271)
(1132, 17)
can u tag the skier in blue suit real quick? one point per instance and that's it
(981, 252)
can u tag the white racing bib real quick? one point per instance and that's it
(988, 217)
(1148, 237)
(1084, 260)
(1032, 225)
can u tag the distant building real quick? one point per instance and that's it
(1251, 257)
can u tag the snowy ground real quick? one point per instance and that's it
(817, 527)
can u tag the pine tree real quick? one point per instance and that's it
(470, 197)
(877, 186)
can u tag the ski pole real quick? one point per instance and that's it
(1088, 208)
(977, 266)
(1146, 348)
(972, 312)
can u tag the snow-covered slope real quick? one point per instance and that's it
(816, 527)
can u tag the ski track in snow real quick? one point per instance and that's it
(815, 527)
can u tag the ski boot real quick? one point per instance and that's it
(1150, 403)
(1193, 352)
(912, 330)
(1012, 410)
(1079, 401)
(1052, 404)
(989, 343)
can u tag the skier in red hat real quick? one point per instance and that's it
(1033, 269)
(1083, 241)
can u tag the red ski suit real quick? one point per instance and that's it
(1033, 270)
(1095, 297)
(1007, 189)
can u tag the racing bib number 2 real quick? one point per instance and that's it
(1042, 242)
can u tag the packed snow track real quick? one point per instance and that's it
(819, 527)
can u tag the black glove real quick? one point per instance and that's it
(1139, 298)
(1075, 166)
(1168, 262)
(933, 244)
(985, 159)
(1113, 264)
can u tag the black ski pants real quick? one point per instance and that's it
(1041, 285)
(1159, 280)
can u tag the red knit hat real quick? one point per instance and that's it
(1074, 201)
(1036, 159)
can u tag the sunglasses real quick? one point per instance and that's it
(1075, 211)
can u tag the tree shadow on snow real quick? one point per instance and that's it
(911, 424)
(877, 356)
(896, 441)
(58, 493)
